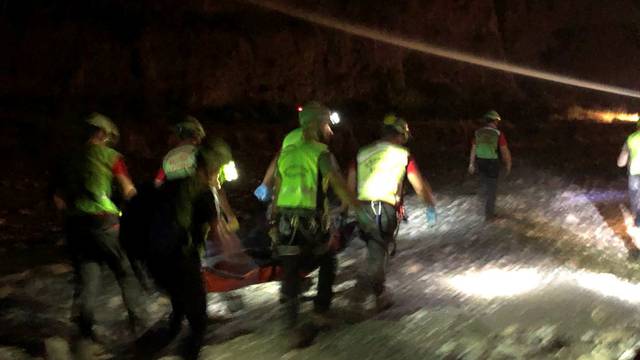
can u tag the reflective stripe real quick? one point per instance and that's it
(487, 139)
(298, 170)
(381, 170)
(633, 143)
(180, 162)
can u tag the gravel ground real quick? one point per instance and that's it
(551, 279)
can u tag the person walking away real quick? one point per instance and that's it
(629, 157)
(378, 177)
(488, 146)
(304, 172)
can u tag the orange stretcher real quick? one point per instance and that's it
(225, 276)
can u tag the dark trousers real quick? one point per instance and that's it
(177, 272)
(634, 197)
(378, 244)
(93, 241)
(307, 249)
(489, 170)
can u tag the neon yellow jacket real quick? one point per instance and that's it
(381, 170)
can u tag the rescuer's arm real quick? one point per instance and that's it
(421, 186)
(127, 187)
(122, 177)
(472, 159)
(506, 157)
(268, 179)
(330, 170)
(351, 185)
(264, 191)
(623, 158)
(351, 179)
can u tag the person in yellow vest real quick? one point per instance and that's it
(378, 177)
(630, 157)
(488, 146)
(304, 170)
(264, 191)
(92, 222)
(179, 162)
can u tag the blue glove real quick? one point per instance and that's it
(263, 193)
(431, 215)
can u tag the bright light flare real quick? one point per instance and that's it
(335, 118)
(609, 285)
(603, 116)
(493, 283)
(230, 171)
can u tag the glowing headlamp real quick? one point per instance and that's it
(229, 171)
(335, 118)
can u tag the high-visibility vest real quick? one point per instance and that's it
(299, 175)
(487, 139)
(293, 137)
(92, 178)
(381, 170)
(633, 143)
(180, 162)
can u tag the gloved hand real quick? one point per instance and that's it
(263, 193)
(431, 215)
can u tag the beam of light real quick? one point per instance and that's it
(603, 116)
(508, 282)
(426, 48)
(493, 283)
(609, 285)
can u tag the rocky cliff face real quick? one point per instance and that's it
(205, 54)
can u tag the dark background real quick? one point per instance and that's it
(242, 70)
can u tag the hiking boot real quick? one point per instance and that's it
(323, 320)
(302, 336)
(383, 302)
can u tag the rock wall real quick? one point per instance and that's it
(206, 54)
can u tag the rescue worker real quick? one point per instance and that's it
(304, 171)
(629, 157)
(488, 146)
(184, 214)
(378, 177)
(264, 191)
(92, 222)
(179, 162)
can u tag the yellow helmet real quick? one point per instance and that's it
(492, 115)
(399, 124)
(312, 112)
(190, 128)
(105, 124)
